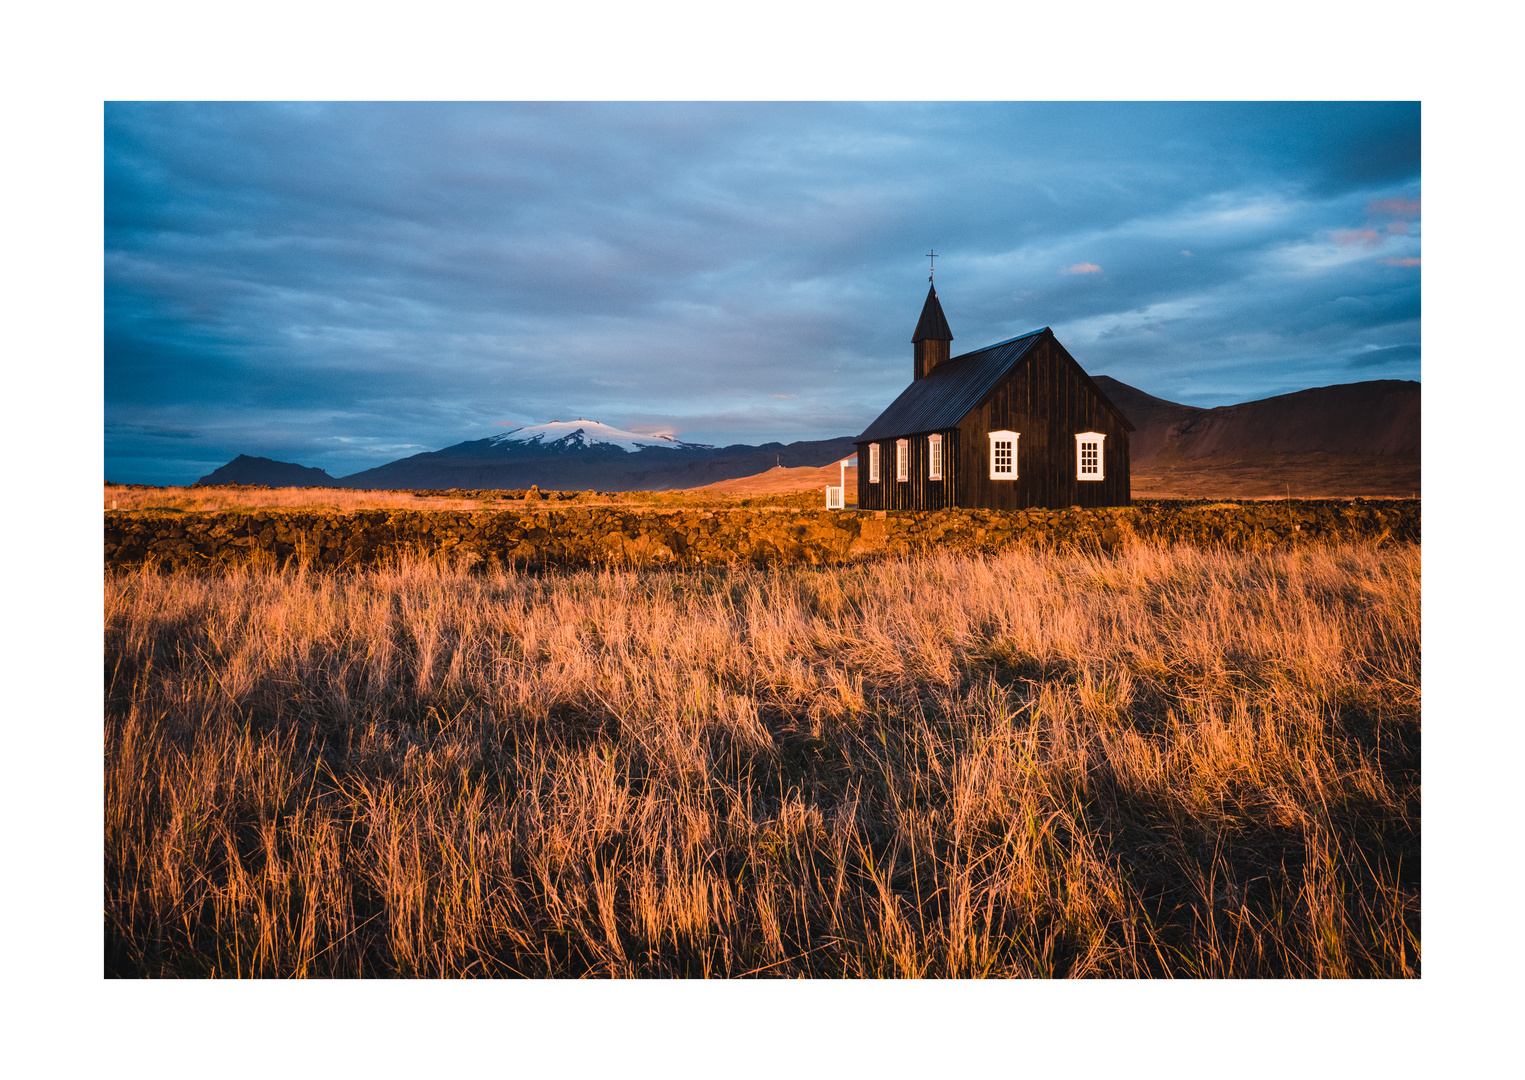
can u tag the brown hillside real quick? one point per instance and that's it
(1152, 417)
(781, 479)
(1329, 442)
(1378, 418)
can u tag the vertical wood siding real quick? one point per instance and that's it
(917, 491)
(1047, 402)
(928, 354)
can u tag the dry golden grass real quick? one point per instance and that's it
(190, 499)
(177, 500)
(1162, 762)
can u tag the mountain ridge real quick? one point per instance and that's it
(245, 469)
(483, 463)
(1375, 422)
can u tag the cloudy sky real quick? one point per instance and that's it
(341, 285)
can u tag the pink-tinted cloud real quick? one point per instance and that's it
(1408, 208)
(1364, 237)
(1398, 228)
(1414, 261)
(1082, 268)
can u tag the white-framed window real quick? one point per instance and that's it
(934, 457)
(873, 463)
(902, 459)
(1003, 455)
(1090, 457)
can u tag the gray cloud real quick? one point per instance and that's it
(328, 283)
(1402, 356)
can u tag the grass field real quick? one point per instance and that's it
(193, 499)
(1159, 762)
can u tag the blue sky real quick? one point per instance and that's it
(344, 284)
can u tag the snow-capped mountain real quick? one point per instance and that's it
(584, 454)
(1355, 421)
(566, 434)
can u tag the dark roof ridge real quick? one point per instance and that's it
(1082, 371)
(998, 344)
(940, 399)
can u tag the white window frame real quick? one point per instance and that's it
(1004, 436)
(934, 457)
(873, 463)
(902, 460)
(1101, 455)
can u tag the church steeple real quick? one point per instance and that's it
(932, 336)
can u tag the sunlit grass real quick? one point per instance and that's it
(1166, 761)
(177, 500)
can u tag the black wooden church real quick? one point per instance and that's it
(1016, 424)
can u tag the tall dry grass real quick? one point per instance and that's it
(181, 500)
(203, 499)
(1163, 762)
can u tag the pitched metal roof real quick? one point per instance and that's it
(940, 399)
(933, 325)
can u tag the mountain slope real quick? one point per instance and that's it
(1153, 417)
(582, 433)
(782, 479)
(1379, 417)
(567, 464)
(1344, 440)
(1358, 437)
(262, 470)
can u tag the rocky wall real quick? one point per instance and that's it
(592, 536)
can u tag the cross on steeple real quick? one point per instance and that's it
(933, 268)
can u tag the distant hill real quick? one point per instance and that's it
(592, 456)
(781, 479)
(1353, 438)
(1349, 439)
(1153, 417)
(262, 470)
(1378, 417)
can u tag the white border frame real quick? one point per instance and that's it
(1014, 437)
(1101, 454)
(902, 460)
(935, 463)
(873, 463)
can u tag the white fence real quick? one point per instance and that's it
(835, 495)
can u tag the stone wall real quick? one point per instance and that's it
(611, 536)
